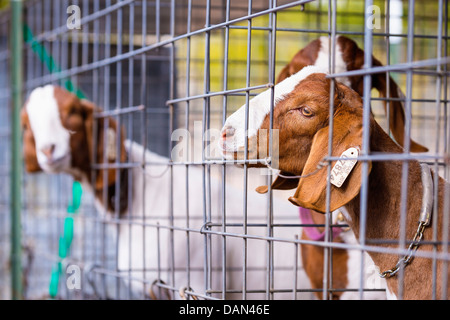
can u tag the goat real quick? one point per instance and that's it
(345, 271)
(59, 137)
(348, 57)
(302, 115)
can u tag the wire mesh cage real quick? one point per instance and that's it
(175, 219)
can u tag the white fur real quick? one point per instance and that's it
(45, 122)
(371, 277)
(323, 59)
(371, 273)
(259, 108)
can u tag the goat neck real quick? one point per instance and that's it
(383, 218)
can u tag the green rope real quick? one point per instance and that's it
(65, 241)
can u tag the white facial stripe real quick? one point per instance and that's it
(323, 58)
(259, 107)
(45, 122)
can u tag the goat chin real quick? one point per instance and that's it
(58, 165)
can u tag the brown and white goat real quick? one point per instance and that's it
(301, 116)
(348, 57)
(58, 138)
(346, 271)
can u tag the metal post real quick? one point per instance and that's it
(16, 162)
(368, 47)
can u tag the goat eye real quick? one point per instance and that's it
(306, 112)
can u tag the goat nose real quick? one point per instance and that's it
(228, 132)
(48, 150)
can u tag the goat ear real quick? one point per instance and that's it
(311, 190)
(284, 73)
(29, 145)
(396, 109)
(290, 69)
(280, 183)
(111, 137)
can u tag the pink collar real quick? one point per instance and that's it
(313, 232)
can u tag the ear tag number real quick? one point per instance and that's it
(111, 145)
(342, 168)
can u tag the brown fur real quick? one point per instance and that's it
(305, 57)
(29, 145)
(312, 256)
(78, 116)
(297, 149)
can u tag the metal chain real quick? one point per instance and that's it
(411, 250)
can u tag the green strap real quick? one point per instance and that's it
(65, 241)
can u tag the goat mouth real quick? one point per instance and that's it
(236, 146)
(57, 164)
(240, 155)
(225, 150)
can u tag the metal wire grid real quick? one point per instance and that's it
(105, 59)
